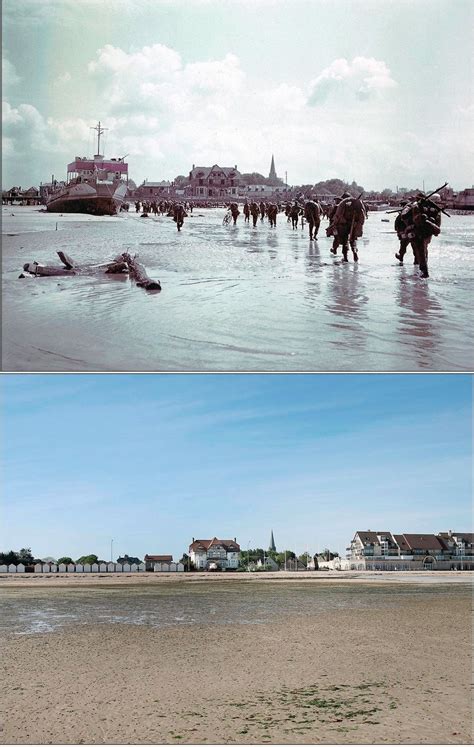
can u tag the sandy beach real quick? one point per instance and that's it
(233, 298)
(396, 674)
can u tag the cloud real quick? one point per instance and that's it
(10, 77)
(363, 78)
(61, 79)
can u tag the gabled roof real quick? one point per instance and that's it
(402, 543)
(204, 545)
(423, 542)
(205, 171)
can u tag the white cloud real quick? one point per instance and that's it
(363, 78)
(10, 77)
(61, 79)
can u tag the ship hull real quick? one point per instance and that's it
(103, 199)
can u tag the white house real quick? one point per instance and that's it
(214, 554)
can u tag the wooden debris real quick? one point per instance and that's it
(138, 272)
(34, 268)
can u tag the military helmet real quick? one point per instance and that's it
(436, 197)
(345, 194)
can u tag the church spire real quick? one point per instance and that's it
(272, 542)
(273, 173)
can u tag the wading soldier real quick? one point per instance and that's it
(313, 216)
(254, 212)
(426, 224)
(235, 212)
(295, 212)
(348, 222)
(246, 212)
(178, 215)
(262, 210)
(402, 222)
(272, 211)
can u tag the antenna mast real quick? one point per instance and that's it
(100, 131)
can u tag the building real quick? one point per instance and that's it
(150, 561)
(464, 200)
(382, 550)
(264, 191)
(152, 190)
(272, 545)
(213, 182)
(214, 554)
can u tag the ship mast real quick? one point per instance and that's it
(100, 131)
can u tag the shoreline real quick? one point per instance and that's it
(344, 676)
(57, 580)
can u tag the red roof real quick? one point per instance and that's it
(160, 558)
(204, 545)
(423, 542)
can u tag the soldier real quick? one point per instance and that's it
(295, 212)
(426, 216)
(262, 210)
(254, 212)
(313, 216)
(179, 215)
(272, 212)
(331, 230)
(402, 222)
(348, 222)
(246, 211)
(235, 212)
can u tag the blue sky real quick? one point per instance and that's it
(152, 461)
(380, 91)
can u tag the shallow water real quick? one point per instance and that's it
(26, 611)
(234, 298)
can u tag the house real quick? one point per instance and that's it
(382, 550)
(152, 190)
(214, 181)
(150, 561)
(215, 554)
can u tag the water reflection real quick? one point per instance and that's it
(419, 317)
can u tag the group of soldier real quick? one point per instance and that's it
(416, 223)
(418, 220)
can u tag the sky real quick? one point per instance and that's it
(376, 91)
(152, 461)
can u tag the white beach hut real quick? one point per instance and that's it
(126, 567)
(173, 567)
(12, 568)
(79, 568)
(71, 567)
(3, 569)
(53, 568)
(62, 568)
(38, 568)
(142, 567)
(87, 567)
(103, 567)
(110, 567)
(20, 568)
(118, 568)
(180, 567)
(46, 567)
(134, 567)
(165, 567)
(94, 568)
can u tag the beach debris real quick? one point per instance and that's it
(112, 266)
(138, 272)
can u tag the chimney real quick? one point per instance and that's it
(235, 167)
(235, 539)
(193, 539)
(450, 532)
(193, 167)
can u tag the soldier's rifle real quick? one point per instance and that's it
(426, 198)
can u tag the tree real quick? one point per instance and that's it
(87, 559)
(125, 559)
(25, 556)
(66, 560)
(305, 558)
(6, 558)
(327, 555)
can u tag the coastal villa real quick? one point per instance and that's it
(213, 181)
(151, 190)
(214, 554)
(382, 550)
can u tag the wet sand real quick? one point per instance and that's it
(396, 674)
(234, 298)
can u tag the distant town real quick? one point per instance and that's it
(368, 551)
(216, 184)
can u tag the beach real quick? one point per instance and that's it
(341, 660)
(233, 298)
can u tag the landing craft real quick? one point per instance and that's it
(94, 185)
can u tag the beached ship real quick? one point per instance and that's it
(94, 185)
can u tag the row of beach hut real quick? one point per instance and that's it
(89, 568)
